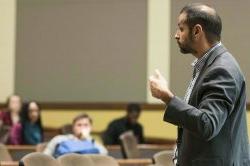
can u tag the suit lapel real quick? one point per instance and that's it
(217, 51)
(211, 57)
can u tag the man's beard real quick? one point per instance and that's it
(185, 49)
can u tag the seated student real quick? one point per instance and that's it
(78, 142)
(10, 121)
(121, 125)
(31, 123)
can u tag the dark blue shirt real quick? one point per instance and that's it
(32, 133)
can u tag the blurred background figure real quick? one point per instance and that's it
(80, 141)
(121, 125)
(10, 121)
(31, 123)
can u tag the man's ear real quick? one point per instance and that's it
(197, 30)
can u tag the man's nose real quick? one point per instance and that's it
(176, 36)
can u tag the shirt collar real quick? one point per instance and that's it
(199, 63)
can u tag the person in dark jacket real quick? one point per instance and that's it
(121, 125)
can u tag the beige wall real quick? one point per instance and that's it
(81, 50)
(150, 119)
(7, 47)
(143, 26)
(158, 40)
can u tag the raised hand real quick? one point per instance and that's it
(159, 88)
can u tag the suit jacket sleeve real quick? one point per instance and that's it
(218, 95)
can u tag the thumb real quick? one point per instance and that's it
(157, 73)
(152, 78)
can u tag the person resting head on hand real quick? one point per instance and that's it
(80, 141)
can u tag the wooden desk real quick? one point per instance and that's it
(21, 147)
(121, 162)
(144, 146)
(9, 163)
(146, 150)
(109, 147)
(134, 162)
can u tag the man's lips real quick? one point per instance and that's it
(179, 43)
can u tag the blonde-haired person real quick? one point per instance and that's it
(10, 121)
(80, 141)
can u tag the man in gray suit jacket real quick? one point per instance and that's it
(211, 120)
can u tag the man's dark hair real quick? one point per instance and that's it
(210, 21)
(82, 116)
(133, 107)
